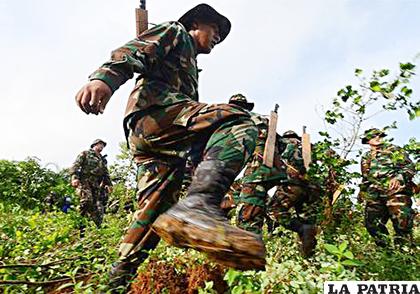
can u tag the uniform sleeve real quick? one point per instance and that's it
(405, 169)
(107, 179)
(292, 154)
(77, 166)
(139, 55)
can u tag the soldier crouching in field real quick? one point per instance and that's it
(163, 121)
(89, 174)
(387, 174)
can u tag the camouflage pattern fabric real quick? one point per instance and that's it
(231, 199)
(378, 168)
(287, 199)
(102, 202)
(160, 141)
(292, 157)
(164, 124)
(257, 180)
(88, 206)
(165, 57)
(397, 207)
(49, 202)
(295, 193)
(92, 172)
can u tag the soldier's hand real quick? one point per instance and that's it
(75, 183)
(394, 184)
(108, 189)
(93, 97)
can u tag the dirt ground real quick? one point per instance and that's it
(161, 277)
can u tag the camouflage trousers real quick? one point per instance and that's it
(304, 201)
(160, 140)
(253, 198)
(231, 199)
(380, 208)
(102, 202)
(89, 202)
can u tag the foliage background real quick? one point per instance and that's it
(41, 250)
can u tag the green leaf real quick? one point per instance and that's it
(376, 88)
(352, 262)
(384, 73)
(348, 254)
(332, 249)
(407, 66)
(358, 71)
(324, 134)
(230, 276)
(343, 246)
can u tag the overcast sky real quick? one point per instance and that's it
(296, 53)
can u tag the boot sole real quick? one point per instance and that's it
(223, 243)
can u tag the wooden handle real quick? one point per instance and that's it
(270, 143)
(141, 21)
(306, 150)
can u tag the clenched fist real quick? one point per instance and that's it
(93, 97)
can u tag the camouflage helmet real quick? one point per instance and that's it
(291, 134)
(97, 141)
(372, 133)
(207, 14)
(240, 100)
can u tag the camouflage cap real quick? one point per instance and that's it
(291, 134)
(97, 141)
(207, 14)
(372, 133)
(239, 99)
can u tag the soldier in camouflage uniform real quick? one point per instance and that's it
(258, 178)
(387, 174)
(296, 193)
(104, 190)
(163, 122)
(88, 173)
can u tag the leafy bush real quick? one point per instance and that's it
(27, 183)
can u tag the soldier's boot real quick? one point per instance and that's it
(307, 237)
(82, 229)
(404, 239)
(198, 222)
(381, 242)
(308, 240)
(120, 276)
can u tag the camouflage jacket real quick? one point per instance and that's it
(379, 167)
(291, 154)
(255, 170)
(164, 56)
(262, 124)
(90, 168)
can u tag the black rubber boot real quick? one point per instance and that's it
(82, 229)
(406, 239)
(308, 240)
(307, 236)
(120, 276)
(198, 221)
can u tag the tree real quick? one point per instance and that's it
(335, 163)
(27, 183)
